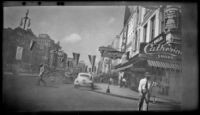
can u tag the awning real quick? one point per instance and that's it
(164, 65)
(123, 68)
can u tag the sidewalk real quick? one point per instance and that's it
(128, 93)
(22, 74)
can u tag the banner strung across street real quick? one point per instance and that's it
(76, 57)
(19, 53)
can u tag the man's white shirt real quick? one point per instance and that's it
(142, 84)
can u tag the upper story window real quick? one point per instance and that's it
(152, 28)
(145, 32)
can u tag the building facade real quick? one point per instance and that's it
(18, 55)
(151, 41)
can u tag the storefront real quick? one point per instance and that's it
(163, 60)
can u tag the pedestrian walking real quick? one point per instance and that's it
(41, 74)
(144, 94)
(121, 74)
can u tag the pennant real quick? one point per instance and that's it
(76, 57)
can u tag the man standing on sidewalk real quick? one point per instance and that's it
(41, 74)
(144, 94)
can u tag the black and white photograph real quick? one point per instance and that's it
(99, 56)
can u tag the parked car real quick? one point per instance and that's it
(84, 79)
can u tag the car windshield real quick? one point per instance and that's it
(84, 75)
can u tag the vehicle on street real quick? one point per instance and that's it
(84, 79)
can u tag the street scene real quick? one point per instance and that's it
(93, 58)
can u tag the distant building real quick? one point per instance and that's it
(45, 44)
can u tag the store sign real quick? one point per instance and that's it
(159, 48)
(171, 16)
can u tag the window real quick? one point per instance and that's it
(152, 27)
(145, 32)
(127, 55)
(136, 35)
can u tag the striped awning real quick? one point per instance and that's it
(164, 65)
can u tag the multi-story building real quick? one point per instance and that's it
(45, 44)
(151, 42)
(17, 54)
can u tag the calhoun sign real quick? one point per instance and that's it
(159, 48)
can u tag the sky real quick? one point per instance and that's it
(80, 29)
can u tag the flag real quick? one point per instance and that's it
(19, 53)
(32, 44)
(76, 57)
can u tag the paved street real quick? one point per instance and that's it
(20, 93)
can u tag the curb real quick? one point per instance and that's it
(131, 98)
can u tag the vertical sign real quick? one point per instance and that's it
(19, 53)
